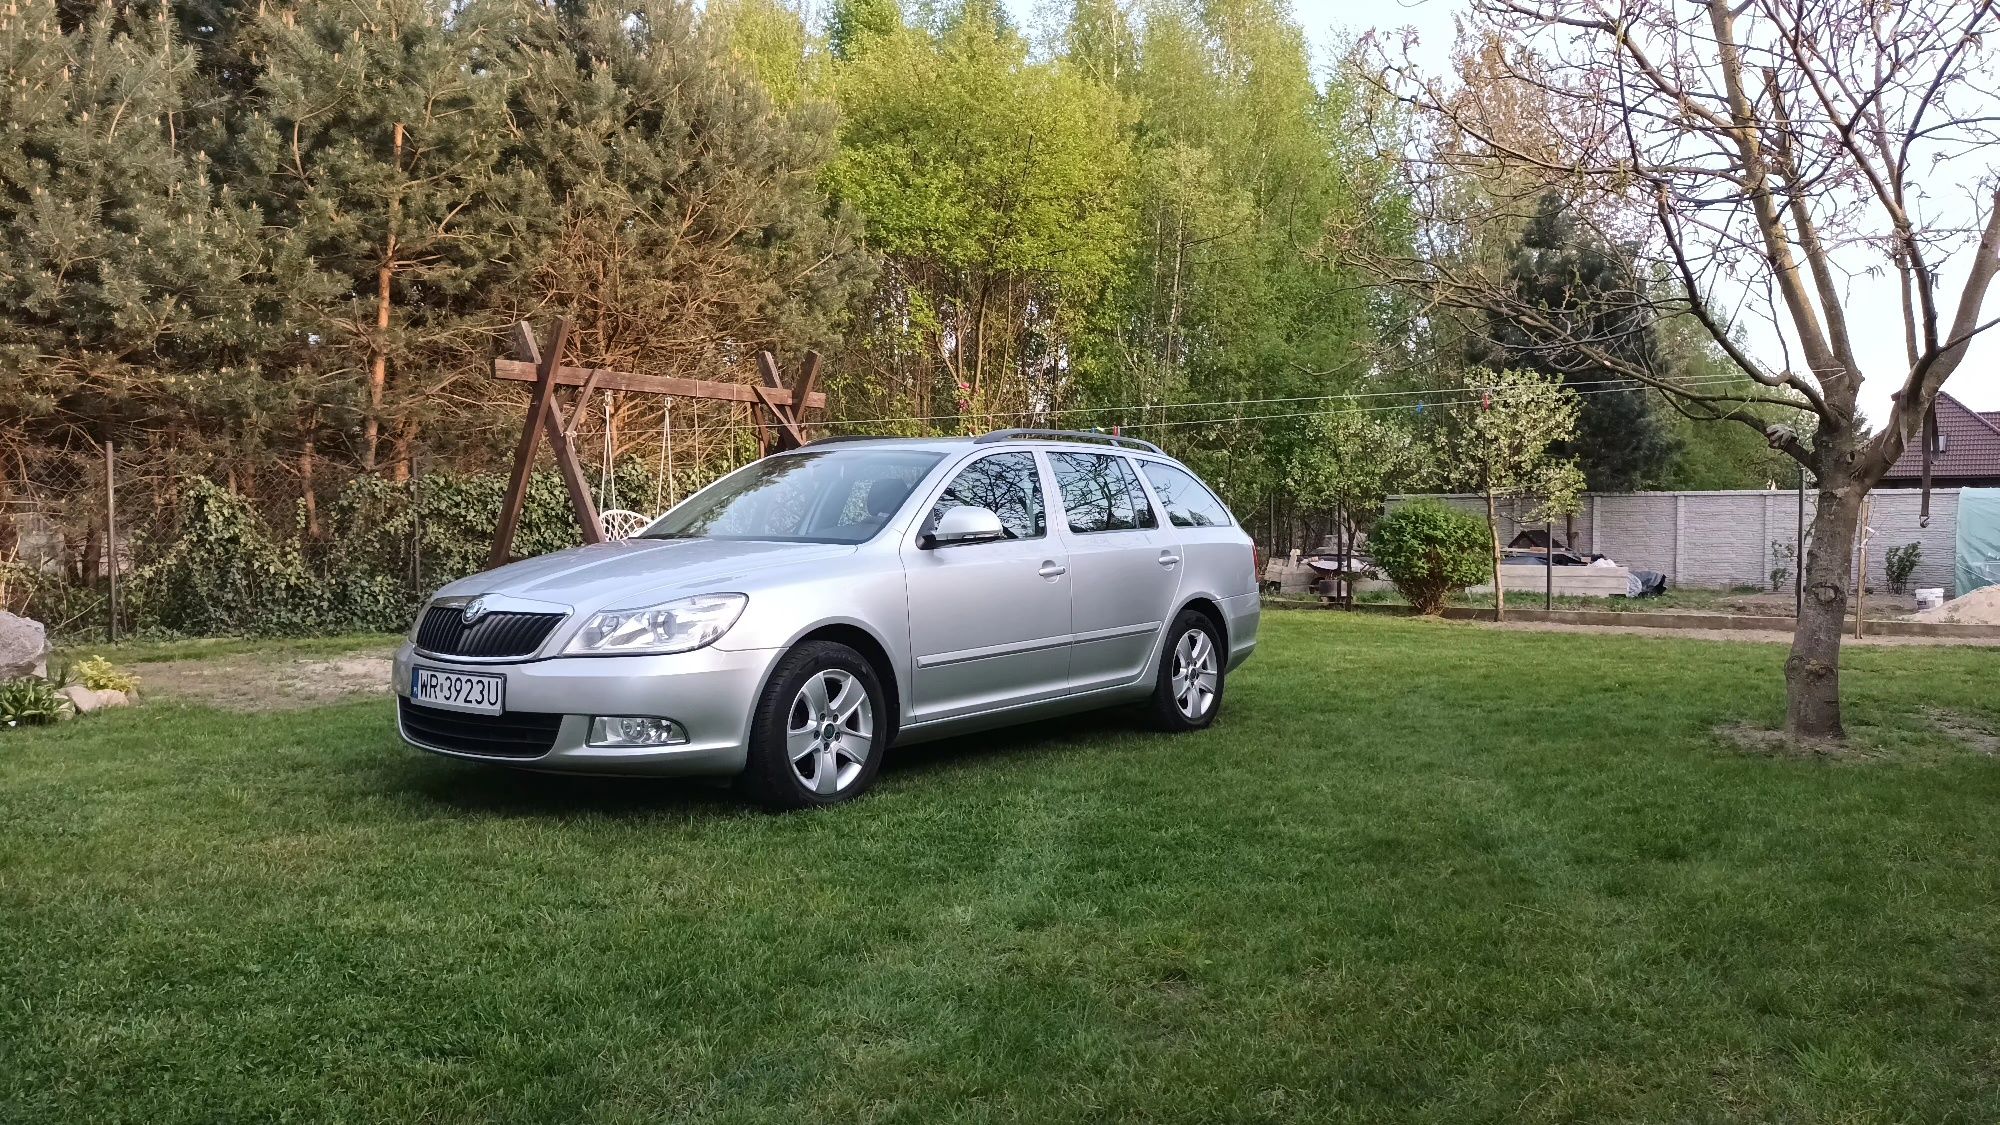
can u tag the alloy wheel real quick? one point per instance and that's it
(830, 731)
(1196, 670)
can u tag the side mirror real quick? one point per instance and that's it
(960, 526)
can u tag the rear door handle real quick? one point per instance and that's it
(1053, 570)
(1169, 560)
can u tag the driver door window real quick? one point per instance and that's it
(1006, 483)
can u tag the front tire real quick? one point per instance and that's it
(819, 730)
(1188, 694)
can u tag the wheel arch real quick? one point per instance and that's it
(1203, 604)
(874, 652)
(1210, 608)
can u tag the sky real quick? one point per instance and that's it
(1874, 308)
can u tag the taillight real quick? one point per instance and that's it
(1256, 568)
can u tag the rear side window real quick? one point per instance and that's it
(1100, 492)
(1189, 503)
(1008, 484)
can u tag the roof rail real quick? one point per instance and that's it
(1072, 435)
(842, 437)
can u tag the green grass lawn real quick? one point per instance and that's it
(1420, 871)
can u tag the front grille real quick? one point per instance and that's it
(511, 734)
(445, 633)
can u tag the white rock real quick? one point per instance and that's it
(112, 697)
(24, 647)
(82, 698)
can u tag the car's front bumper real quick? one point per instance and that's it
(710, 692)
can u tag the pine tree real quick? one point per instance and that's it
(129, 279)
(674, 209)
(372, 145)
(1621, 441)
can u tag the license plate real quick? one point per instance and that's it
(458, 691)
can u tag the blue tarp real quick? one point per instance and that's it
(1978, 539)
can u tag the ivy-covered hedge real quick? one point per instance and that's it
(223, 570)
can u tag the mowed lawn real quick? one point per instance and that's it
(1418, 872)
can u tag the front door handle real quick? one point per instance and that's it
(1169, 560)
(1052, 570)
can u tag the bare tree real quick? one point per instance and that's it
(1764, 159)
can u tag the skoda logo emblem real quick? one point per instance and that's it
(474, 610)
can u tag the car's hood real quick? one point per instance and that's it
(638, 572)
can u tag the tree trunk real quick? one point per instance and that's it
(1493, 533)
(378, 352)
(1812, 671)
(306, 461)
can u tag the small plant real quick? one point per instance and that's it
(31, 701)
(1782, 556)
(99, 674)
(1431, 551)
(1900, 563)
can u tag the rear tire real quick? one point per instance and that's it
(819, 730)
(1188, 694)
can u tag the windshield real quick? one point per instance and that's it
(829, 496)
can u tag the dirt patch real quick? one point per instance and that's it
(1972, 733)
(268, 683)
(1882, 605)
(1760, 636)
(1769, 743)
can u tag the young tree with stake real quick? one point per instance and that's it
(1501, 444)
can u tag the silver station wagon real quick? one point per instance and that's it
(790, 622)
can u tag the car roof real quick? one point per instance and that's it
(1079, 439)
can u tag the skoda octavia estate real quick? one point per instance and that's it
(789, 623)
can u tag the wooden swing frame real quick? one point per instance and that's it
(543, 367)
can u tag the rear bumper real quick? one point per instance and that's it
(709, 692)
(1241, 615)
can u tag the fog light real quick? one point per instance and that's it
(613, 730)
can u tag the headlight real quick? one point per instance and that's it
(677, 626)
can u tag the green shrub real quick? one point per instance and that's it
(1431, 551)
(30, 701)
(99, 674)
(1901, 563)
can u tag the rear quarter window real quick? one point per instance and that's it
(1188, 502)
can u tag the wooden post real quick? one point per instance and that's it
(1549, 557)
(1799, 553)
(524, 451)
(560, 445)
(803, 393)
(788, 435)
(111, 538)
(1861, 572)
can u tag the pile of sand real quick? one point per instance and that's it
(1980, 607)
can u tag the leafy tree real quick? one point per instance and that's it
(852, 24)
(990, 183)
(1347, 460)
(1247, 178)
(1503, 444)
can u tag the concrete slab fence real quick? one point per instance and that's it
(1723, 539)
